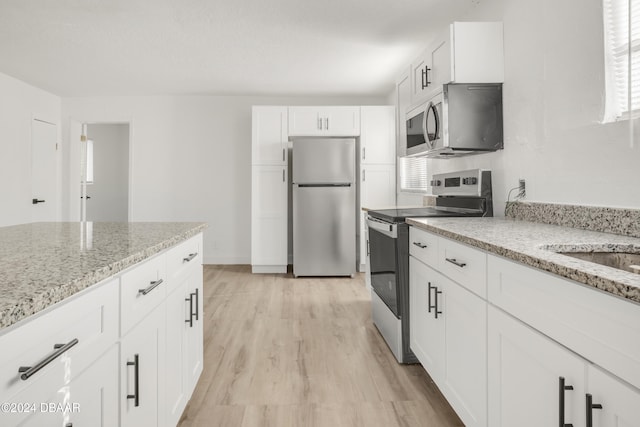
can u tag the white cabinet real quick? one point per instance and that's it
(528, 370)
(269, 135)
(616, 404)
(269, 189)
(466, 52)
(141, 365)
(378, 134)
(269, 216)
(403, 100)
(448, 335)
(324, 121)
(525, 370)
(377, 191)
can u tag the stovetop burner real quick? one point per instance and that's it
(399, 215)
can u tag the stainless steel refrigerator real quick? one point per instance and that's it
(324, 207)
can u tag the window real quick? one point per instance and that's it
(413, 174)
(622, 58)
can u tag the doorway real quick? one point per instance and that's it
(107, 194)
(44, 171)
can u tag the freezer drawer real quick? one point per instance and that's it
(324, 231)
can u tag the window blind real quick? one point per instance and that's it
(413, 174)
(622, 58)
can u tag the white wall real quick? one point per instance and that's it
(20, 103)
(109, 191)
(191, 159)
(553, 102)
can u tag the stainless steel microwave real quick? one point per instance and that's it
(461, 119)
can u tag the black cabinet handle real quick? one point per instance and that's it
(420, 245)
(590, 407)
(151, 287)
(36, 201)
(429, 306)
(193, 313)
(190, 257)
(425, 77)
(561, 389)
(28, 371)
(197, 303)
(436, 304)
(136, 380)
(454, 262)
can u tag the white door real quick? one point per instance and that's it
(44, 171)
(525, 370)
(269, 191)
(378, 134)
(194, 329)
(269, 135)
(175, 381)
(620, 404)
(465, 372)
(341, 121)
(378, 186)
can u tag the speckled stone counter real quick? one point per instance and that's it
(44, 263)
(531, 243)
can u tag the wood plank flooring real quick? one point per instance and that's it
(292, 352)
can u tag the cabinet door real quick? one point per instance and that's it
(176, 354)
(269, 135)
(427, 334)
(420, 70)
(141, 361)
(403, 100)
(620, 403)
(341, 121)
(464, 381)
(269, 219)
(305, 121)
(378, 134)
(524, 376)
(194, 330)
(440, 52)
(91, 399)
(377, 186)
(478, 53)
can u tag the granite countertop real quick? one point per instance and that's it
(533, 243)
(44, 263)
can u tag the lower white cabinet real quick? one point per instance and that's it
(141, 370)
(448, 335)
(534, 381)
(269, 226)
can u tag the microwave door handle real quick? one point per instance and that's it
(425, 120)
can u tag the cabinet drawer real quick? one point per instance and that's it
(91, 318)
(142, 289)
(600, 327)
(424, 246)
(183, 256)
(463, 264)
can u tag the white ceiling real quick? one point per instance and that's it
(263, 47)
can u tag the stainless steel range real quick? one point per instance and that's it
(460, 194)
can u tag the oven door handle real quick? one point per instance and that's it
(383, 227)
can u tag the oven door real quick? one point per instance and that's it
(383, 250)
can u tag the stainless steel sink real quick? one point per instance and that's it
(620, 260)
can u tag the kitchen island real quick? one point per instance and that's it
(101, 323)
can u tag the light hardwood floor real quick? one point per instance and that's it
(299, 352)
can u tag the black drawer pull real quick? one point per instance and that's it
(151, 287)
(136, 380)
(28, 371)
(436, 304)
(590, 407)
(190, 257)
(420, 245)
(561, 389)
(454, 262)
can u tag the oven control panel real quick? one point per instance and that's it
(462, 183)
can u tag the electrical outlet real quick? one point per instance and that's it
(522, 190)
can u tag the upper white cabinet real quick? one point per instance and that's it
(269, 135)
(324, 121)
(378, 134)
(467, 52)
